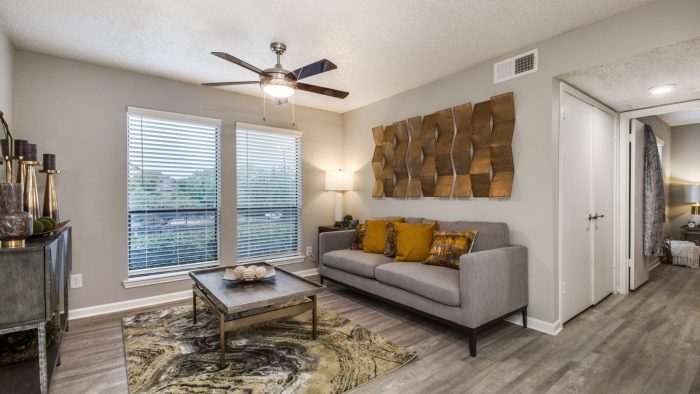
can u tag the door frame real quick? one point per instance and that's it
(623, 279)
(565, 88)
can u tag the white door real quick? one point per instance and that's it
(639, 272)
(575, 158)
(586, 157)
(603, 200)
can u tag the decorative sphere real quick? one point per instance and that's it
(238, 272)
(249, 274)
(260, 272)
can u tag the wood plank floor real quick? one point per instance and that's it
(647, 342)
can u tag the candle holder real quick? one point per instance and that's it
(50, 201)
(7, 160)
(31, 192)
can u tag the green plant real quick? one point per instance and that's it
(347, 218)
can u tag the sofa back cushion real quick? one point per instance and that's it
(490, 235)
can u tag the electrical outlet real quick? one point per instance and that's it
(309, 251)
(76, 281)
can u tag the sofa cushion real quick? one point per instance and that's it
(413, 241)
(449, 246)
(355, 261)
(375, 237)
(492, 235)
(439, 284)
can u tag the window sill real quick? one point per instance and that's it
(295, 259)
(155, 279)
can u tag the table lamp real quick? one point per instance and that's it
(339, 181)
(692, 196)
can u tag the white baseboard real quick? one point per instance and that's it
(121, 306)
(537, 324)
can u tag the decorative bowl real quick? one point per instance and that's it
(247, 273)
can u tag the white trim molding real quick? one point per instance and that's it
(122, 306)
(537, 324)
(307, 273)
(155, 279)
(172, 115)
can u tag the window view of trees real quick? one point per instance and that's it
(173, 193)
(268, 194)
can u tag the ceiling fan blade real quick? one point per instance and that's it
(321, 90)
(231, 83)
(238, 61)
(312, 69)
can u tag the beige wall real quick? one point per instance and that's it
(685, 169)
(78, 111)
(531, 212)
(7, 53)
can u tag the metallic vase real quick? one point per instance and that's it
(50, 201)
(31, 192)
(15, 224)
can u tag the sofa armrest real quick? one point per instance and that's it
(334, 240)
(493, 283)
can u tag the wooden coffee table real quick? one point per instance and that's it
(240, 305)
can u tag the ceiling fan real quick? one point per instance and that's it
(279, 82)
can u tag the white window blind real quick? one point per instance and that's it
(173, 192)
(268, 192)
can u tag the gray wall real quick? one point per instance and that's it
(78, 111)
(685, 169)
(7, 54)
(531, 212)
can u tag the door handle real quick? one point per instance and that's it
(595, 217)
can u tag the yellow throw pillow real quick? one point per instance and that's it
(375, 236)
(413, 240)
(448, 246)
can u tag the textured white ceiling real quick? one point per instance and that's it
(681, 118)
(381, 47)
(624, 84)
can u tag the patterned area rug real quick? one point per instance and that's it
(166, 352)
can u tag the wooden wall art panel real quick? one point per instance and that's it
(456, 152)
(400, 167)
(503, 110)
(480, 169)
(413, 160)
(443, 153)
(428, 141)
(461, 152)
(377, 161)
(388, 153)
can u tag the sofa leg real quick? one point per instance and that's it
(472, 341)
(321, 280)
(525, 317)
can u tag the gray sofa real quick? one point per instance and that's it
(490, 285)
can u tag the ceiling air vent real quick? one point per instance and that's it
(516, 66)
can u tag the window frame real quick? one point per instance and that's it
(287, 257)
(155, 275)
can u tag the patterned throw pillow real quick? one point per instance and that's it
(390, 245)
(360, 232)
(448, 246)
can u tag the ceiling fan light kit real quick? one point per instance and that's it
(279, 82)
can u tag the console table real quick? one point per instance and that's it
(34, 290)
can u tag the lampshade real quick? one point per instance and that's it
(692, 194)
(338, 180)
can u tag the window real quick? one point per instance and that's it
(268, 166)
(173, 192)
